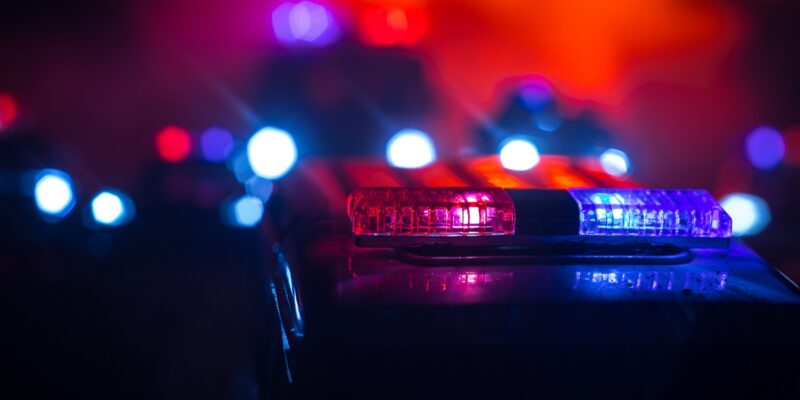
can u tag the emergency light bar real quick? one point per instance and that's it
(492, 215)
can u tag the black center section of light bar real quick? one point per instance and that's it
(545, 212)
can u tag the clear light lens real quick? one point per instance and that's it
(431, 212)
(271, 153)
(53, 193)
(655, 213)
(410, 148)
(519, 155)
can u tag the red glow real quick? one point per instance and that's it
(792, 141)
(8, 110)
(173, 144)
(389, 26)
(431, 212)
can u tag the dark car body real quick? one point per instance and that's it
(389, 321)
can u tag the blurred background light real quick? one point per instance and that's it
(173, 143)
(389, 26)
(271, 153)
(239, 165)
(750, 214)
(615, 162)
(53, 193)
(216, 144)
(8, 110)
(535, 93)
(547, 120)
(112, 208)
(259, 187)
(765, 147)
(246, 211)
(519, 154)
(304, 22)
(410, 148)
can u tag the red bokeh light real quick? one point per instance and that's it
(8, 110)
(389, 26)
(173, 143)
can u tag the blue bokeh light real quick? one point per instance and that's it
(246, 211)
(535, 93)
(765, 147)
(216, 144)
(548, 120)
(53, 193)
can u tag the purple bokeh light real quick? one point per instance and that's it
(765, 147)
(535, 93)
(304, 22)
(216, 144)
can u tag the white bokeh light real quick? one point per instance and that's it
(749, 214)
(53, 193)
(410, 148)
(111, 208)
(615, 162)
(271, 153)
(519, 155)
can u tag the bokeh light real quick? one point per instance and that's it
(750, 214)
(410, 148)
(53, 193)
(535, 93)
(547, 120)
(389, 26)
(765, 147)
(259, 187)
(112, 208)
(271, 153)
(304, 22)
(519, 154)
(615, 162)
(173, 143)
(216, 144)
(8, 110)
(246, 211)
